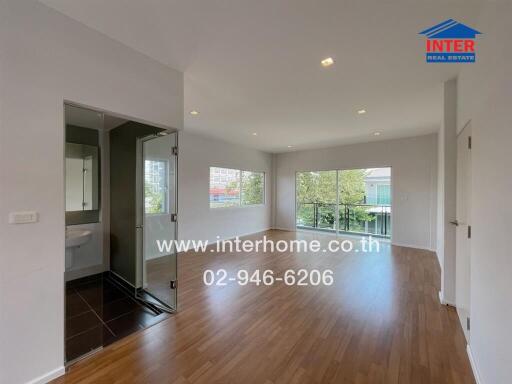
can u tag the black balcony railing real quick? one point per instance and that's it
(353, 218)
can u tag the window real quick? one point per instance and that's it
(383, 194)
(155, 186)
(352, 201)
(225, 189)
(253, 184)
(233, 187)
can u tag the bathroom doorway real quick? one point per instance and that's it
(120, 178)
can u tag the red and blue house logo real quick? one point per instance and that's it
(450, 42)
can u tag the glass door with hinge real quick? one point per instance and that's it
(157, 220)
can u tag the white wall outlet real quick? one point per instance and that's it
(23, 217)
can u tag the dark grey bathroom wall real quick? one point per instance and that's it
(123, 178)
(82, 135)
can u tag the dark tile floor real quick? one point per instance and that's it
(99, 313)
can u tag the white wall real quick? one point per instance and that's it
(196, 219)
(485, 96)
(413, 162)
(45, 58)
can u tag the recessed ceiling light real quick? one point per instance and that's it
(361, 111)
(290, 146)
(327, 62)
(255, 133)
(376, 133)
(194, 112)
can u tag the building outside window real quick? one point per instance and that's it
(156, 195)
(233, 187)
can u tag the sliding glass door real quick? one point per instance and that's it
(348, 201)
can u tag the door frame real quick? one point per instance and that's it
(466, 131)
(103, 214)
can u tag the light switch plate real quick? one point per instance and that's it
(25, 217)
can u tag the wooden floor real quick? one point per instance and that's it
(381, 322)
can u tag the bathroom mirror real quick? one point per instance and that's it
(83, 165)
(82, 177)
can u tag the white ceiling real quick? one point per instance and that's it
(254, 65)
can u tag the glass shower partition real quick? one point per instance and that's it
(156, 226)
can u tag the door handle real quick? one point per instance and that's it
(455, 222)
(139, 226)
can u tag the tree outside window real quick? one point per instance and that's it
(253, 184)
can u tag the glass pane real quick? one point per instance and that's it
(159, 228)
(383, 194)
(364, 197)
(74, 187)
(224, 187)
(156, 180)
(326, 216)
(306, 214)
(359, 218)
(316, 200)
(253, 188)
(82, 177)
(365, 201)
(352, 186)
(88, 182)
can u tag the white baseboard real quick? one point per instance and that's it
(49, 376)
(445, 302)
(473, 365)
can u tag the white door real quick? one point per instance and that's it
(463, 222)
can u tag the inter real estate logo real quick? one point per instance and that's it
(450, 42)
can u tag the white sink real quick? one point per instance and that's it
(77, 237)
